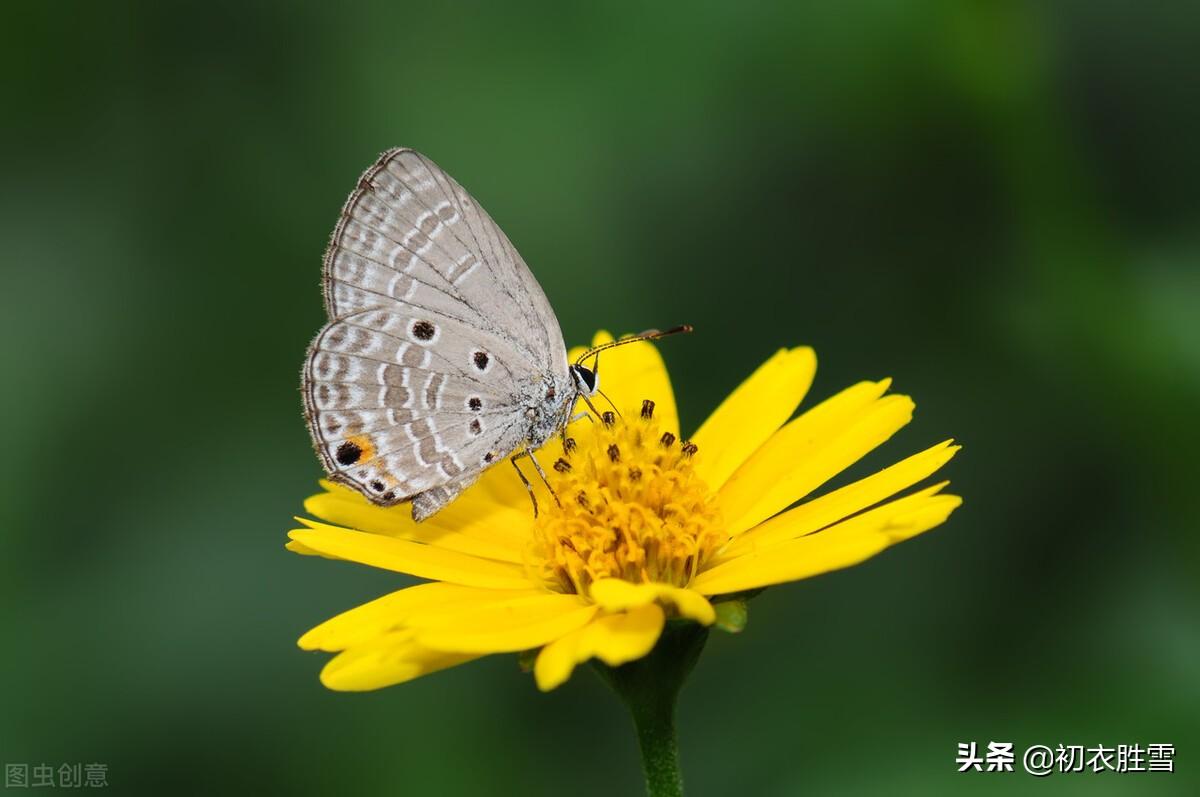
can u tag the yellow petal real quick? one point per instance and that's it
(404, 556)
(393, 520)
(575, 352)
(392, 611)
(469, 525)
(501, 486)
(614, 595)
(615, 639)
(521, 625)
(841, 503)
(752, 413)
(810, 450)
(631, 373)
(304, 550)
(842, 545)
(503, 523)
(385, 661)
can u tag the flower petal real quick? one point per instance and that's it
(842, 545)
(502, 488)
(615, 639)
(615, 594)
(810, 450)
(304, 550)
(404, 556)
(386, 661)
(632, 373)
(392, 611)
(841, 503)
(752, 413)
(472, 524)
(506, 628)
(575, 352)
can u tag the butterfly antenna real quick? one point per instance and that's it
(649, 334)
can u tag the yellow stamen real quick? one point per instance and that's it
(631, 508)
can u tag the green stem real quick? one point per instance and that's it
(649, 687)
(655, 723)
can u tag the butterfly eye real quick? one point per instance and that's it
(585, 379)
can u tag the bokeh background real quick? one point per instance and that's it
(996, 203)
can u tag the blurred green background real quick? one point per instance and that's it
(995, 203)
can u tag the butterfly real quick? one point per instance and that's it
(442, 355)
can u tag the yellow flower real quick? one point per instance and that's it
(648, 526)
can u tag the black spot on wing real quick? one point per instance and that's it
(348, 453)
(423, 330)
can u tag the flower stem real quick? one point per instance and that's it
(649, 687)
(660, 749)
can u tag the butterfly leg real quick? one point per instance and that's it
(538, 467)
(528, 487)
(579, 416)
(594, 412)
(610, 402)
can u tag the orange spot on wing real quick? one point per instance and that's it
(365, 445)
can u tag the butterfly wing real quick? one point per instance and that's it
(417, 280)
(402, 402)
(409, 233)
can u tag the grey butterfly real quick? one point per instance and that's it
(441, 355)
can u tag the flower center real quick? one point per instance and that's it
(631, 508)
